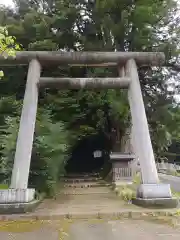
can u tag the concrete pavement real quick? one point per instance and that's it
(97, 229)
(125, 230)
(93, 230)
(172, 180)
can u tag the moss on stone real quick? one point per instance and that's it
(21, 226)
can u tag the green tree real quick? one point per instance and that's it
(8, 46)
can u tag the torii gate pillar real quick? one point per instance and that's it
(151, 191)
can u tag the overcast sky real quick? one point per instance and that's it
(6, 2)
(10, 2)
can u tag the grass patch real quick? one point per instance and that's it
(137, 179)
(175, 194)
(3, 186)
(21, 226)
(126, 193)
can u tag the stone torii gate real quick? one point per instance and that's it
(126, 62)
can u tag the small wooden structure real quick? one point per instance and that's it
(121, 168)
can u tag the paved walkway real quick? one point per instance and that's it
(83, 202)
(78, 197)
(80, 200)
(125, 230)
(90, 230)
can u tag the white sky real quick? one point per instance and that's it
(10, 2)
(6, 2)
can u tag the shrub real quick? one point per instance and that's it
(49, 156)
(137, 178)
(8, 136)
(51, 149)
(127, 194)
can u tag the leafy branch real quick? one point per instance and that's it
(8, 45)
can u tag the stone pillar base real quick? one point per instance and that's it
(150, 191)
(155, 196)
(16, 195)
(156, 202)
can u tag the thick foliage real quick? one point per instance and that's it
(8, 45)
(50, 152)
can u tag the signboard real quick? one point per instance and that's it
(97, 154)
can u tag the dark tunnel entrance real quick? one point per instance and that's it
(89, 155)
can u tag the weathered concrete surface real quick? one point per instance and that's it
(82, 202)
(92, 229)
(43, 233)
(157, 202)
(85, 203)
(172, 180)
(106, 207)
(116, 230)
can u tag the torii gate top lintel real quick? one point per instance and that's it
(84, 58)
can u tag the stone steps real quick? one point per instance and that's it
(79, 180)
(86, 184)
(81, 199)
(87, 190)
(81, 202)
(82, 176)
